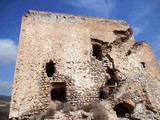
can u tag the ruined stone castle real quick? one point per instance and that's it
(79, 60)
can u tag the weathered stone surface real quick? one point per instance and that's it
(79, 60)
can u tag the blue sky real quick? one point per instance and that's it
(142, 15)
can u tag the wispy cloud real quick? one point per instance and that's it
(99, 6)
(5, 87)
(8, 50)
(141, 9)
(138, 29)
(156, 44)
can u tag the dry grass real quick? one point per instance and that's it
(50, 112)
(67, 108)
(99, 111)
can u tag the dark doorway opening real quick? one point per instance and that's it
(102, 95)
(58, 91)
(50, 68)
(97, 51)
(123, 108)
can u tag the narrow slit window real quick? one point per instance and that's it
(143, 64)
(97, 51)
(101, 95)
(50, 68)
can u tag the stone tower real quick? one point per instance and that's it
(80, 60)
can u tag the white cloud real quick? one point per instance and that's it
(5, 87)
(8, 50)
(99, 6)
(156, 44)
(139, 13)
(137, 30)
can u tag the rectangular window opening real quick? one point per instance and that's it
(58, 91)
(97, 48)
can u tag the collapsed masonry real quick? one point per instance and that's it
(79, 60)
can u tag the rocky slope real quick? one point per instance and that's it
(4, 107)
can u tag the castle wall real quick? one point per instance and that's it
(67, 41)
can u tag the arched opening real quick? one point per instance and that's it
(58, 91)
(50, 68)
(97, 51)
(123, 108)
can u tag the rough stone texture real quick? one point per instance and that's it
(91, 59)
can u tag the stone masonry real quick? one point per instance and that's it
(78, 60)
